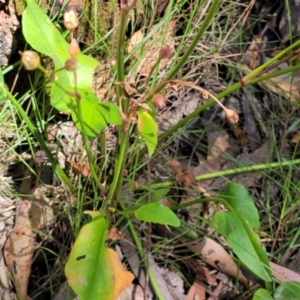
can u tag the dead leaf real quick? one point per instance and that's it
(184, 176)
(217, 142)
(20, 247)
(83, 168)
(215, 255)
(283, 274)
(196, 291)
(252, 57)
(122, 277)
(295, 138)
(151, 49)
(282, 88)
(209, 166)
(102, 79)
(133, 291)
(114, 234)
(248, 179)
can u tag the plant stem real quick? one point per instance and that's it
(120, 59)
(235, 171)
(210, 15)
(57, 169)
(122, 136)
(87, 147)
(140, 249)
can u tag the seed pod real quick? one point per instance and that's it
(71, 64)
(165, 52)
(30, 59)
(159, 101)
(231, 116)
(71, 20)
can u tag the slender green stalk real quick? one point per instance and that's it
(207, 20)
(121, 59)
(229, 172)
(87, 145)
(60, 173)
(141, 252)
(122, 136)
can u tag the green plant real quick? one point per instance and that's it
(71, 92)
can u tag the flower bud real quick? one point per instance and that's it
(159, 101)
(74, 48)
(71, 64)
(30, 59)
(71, 20)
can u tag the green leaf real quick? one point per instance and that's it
(157, 213)
(288, 291)
(86, 269)
(41, 34)
(229, 225)
(239, 198)
(2, 88)
(148, 128)
(262, 294)
(95, 114)
(235, 227)
(243, 204)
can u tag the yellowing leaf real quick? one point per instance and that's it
(94, 271)
(121, 277)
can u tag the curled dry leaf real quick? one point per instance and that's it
(216, 256)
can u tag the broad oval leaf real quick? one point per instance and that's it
(42, 35)
(95, 114)
(148, 128)
(157, 213)
(242, 202)
(94, 271)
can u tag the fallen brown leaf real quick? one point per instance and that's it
(283, 274)
(216, 256)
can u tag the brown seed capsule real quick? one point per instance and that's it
(71, 64)
(71, 20)
(30, 59)
(231, 116)
(159, 101)
(74, 48)
(165, 52)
